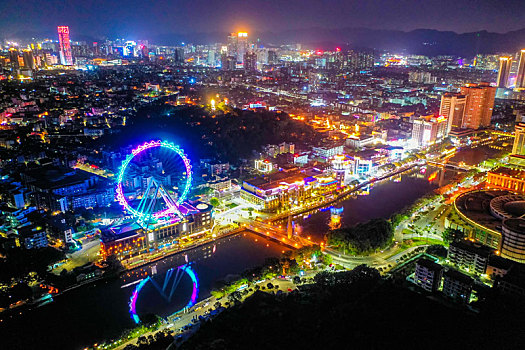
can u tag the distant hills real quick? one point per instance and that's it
(420, 41)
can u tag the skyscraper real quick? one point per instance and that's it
(66, 58)
(520, 79)
(242, 46)
(453, 108)
(479, 105)
(505, 64)
(29, 61)
(250, 61)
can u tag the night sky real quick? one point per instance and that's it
(144, 18)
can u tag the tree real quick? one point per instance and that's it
(235, 297)
(452, 235)
(215, 202)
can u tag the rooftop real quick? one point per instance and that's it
(458, 276)
(472, 247)
(509, 172)
(429, 264)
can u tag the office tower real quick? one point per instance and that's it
(505, 64)
(13, 57)
(520, 79)
(178, 55)
(250, 61)
(519, 140)
(29, 61)
(238, 45)
(453, 108)
(479, 105)
(242, 46)
(66, 58)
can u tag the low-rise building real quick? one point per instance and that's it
(470, 256)
(457, 285)
(428, 274)
(32, 237)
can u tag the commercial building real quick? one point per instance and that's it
(507, 178)
(428, 275)
(428, 130)
(470, 256)
(286, 189)
(505, 65)
(513, 242)
(457, 286)
(327, 152)
(480, 214)
(518, 147)
(479, 105)
(453, 108)
(130, 239)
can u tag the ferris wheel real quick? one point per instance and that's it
(153, 181)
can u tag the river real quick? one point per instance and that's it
(100, 311)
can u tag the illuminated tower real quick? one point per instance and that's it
(66, 58)
(479, 105)
(505, 63)
(242, 46)
(520, 79)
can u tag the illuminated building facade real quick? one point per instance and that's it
(507, 178)
(479, 105)
(286, 189)
(453, 108)
(428, 130)
(520, 79)
(505, 64)
(130, 239)
(519, 140)
(513, 242)
(66, 57)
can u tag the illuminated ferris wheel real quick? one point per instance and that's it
(153, 181)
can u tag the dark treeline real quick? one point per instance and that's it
(226, 136)
(362, 238)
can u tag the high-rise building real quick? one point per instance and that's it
(453, 108)
(519, 140)
(242, 46)
(505, 64)
(479, 105)
(66, 58)
(250, 61)
(178, 55)
(13, 57)
(238, 46)
(29, 61)
(520, 78)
